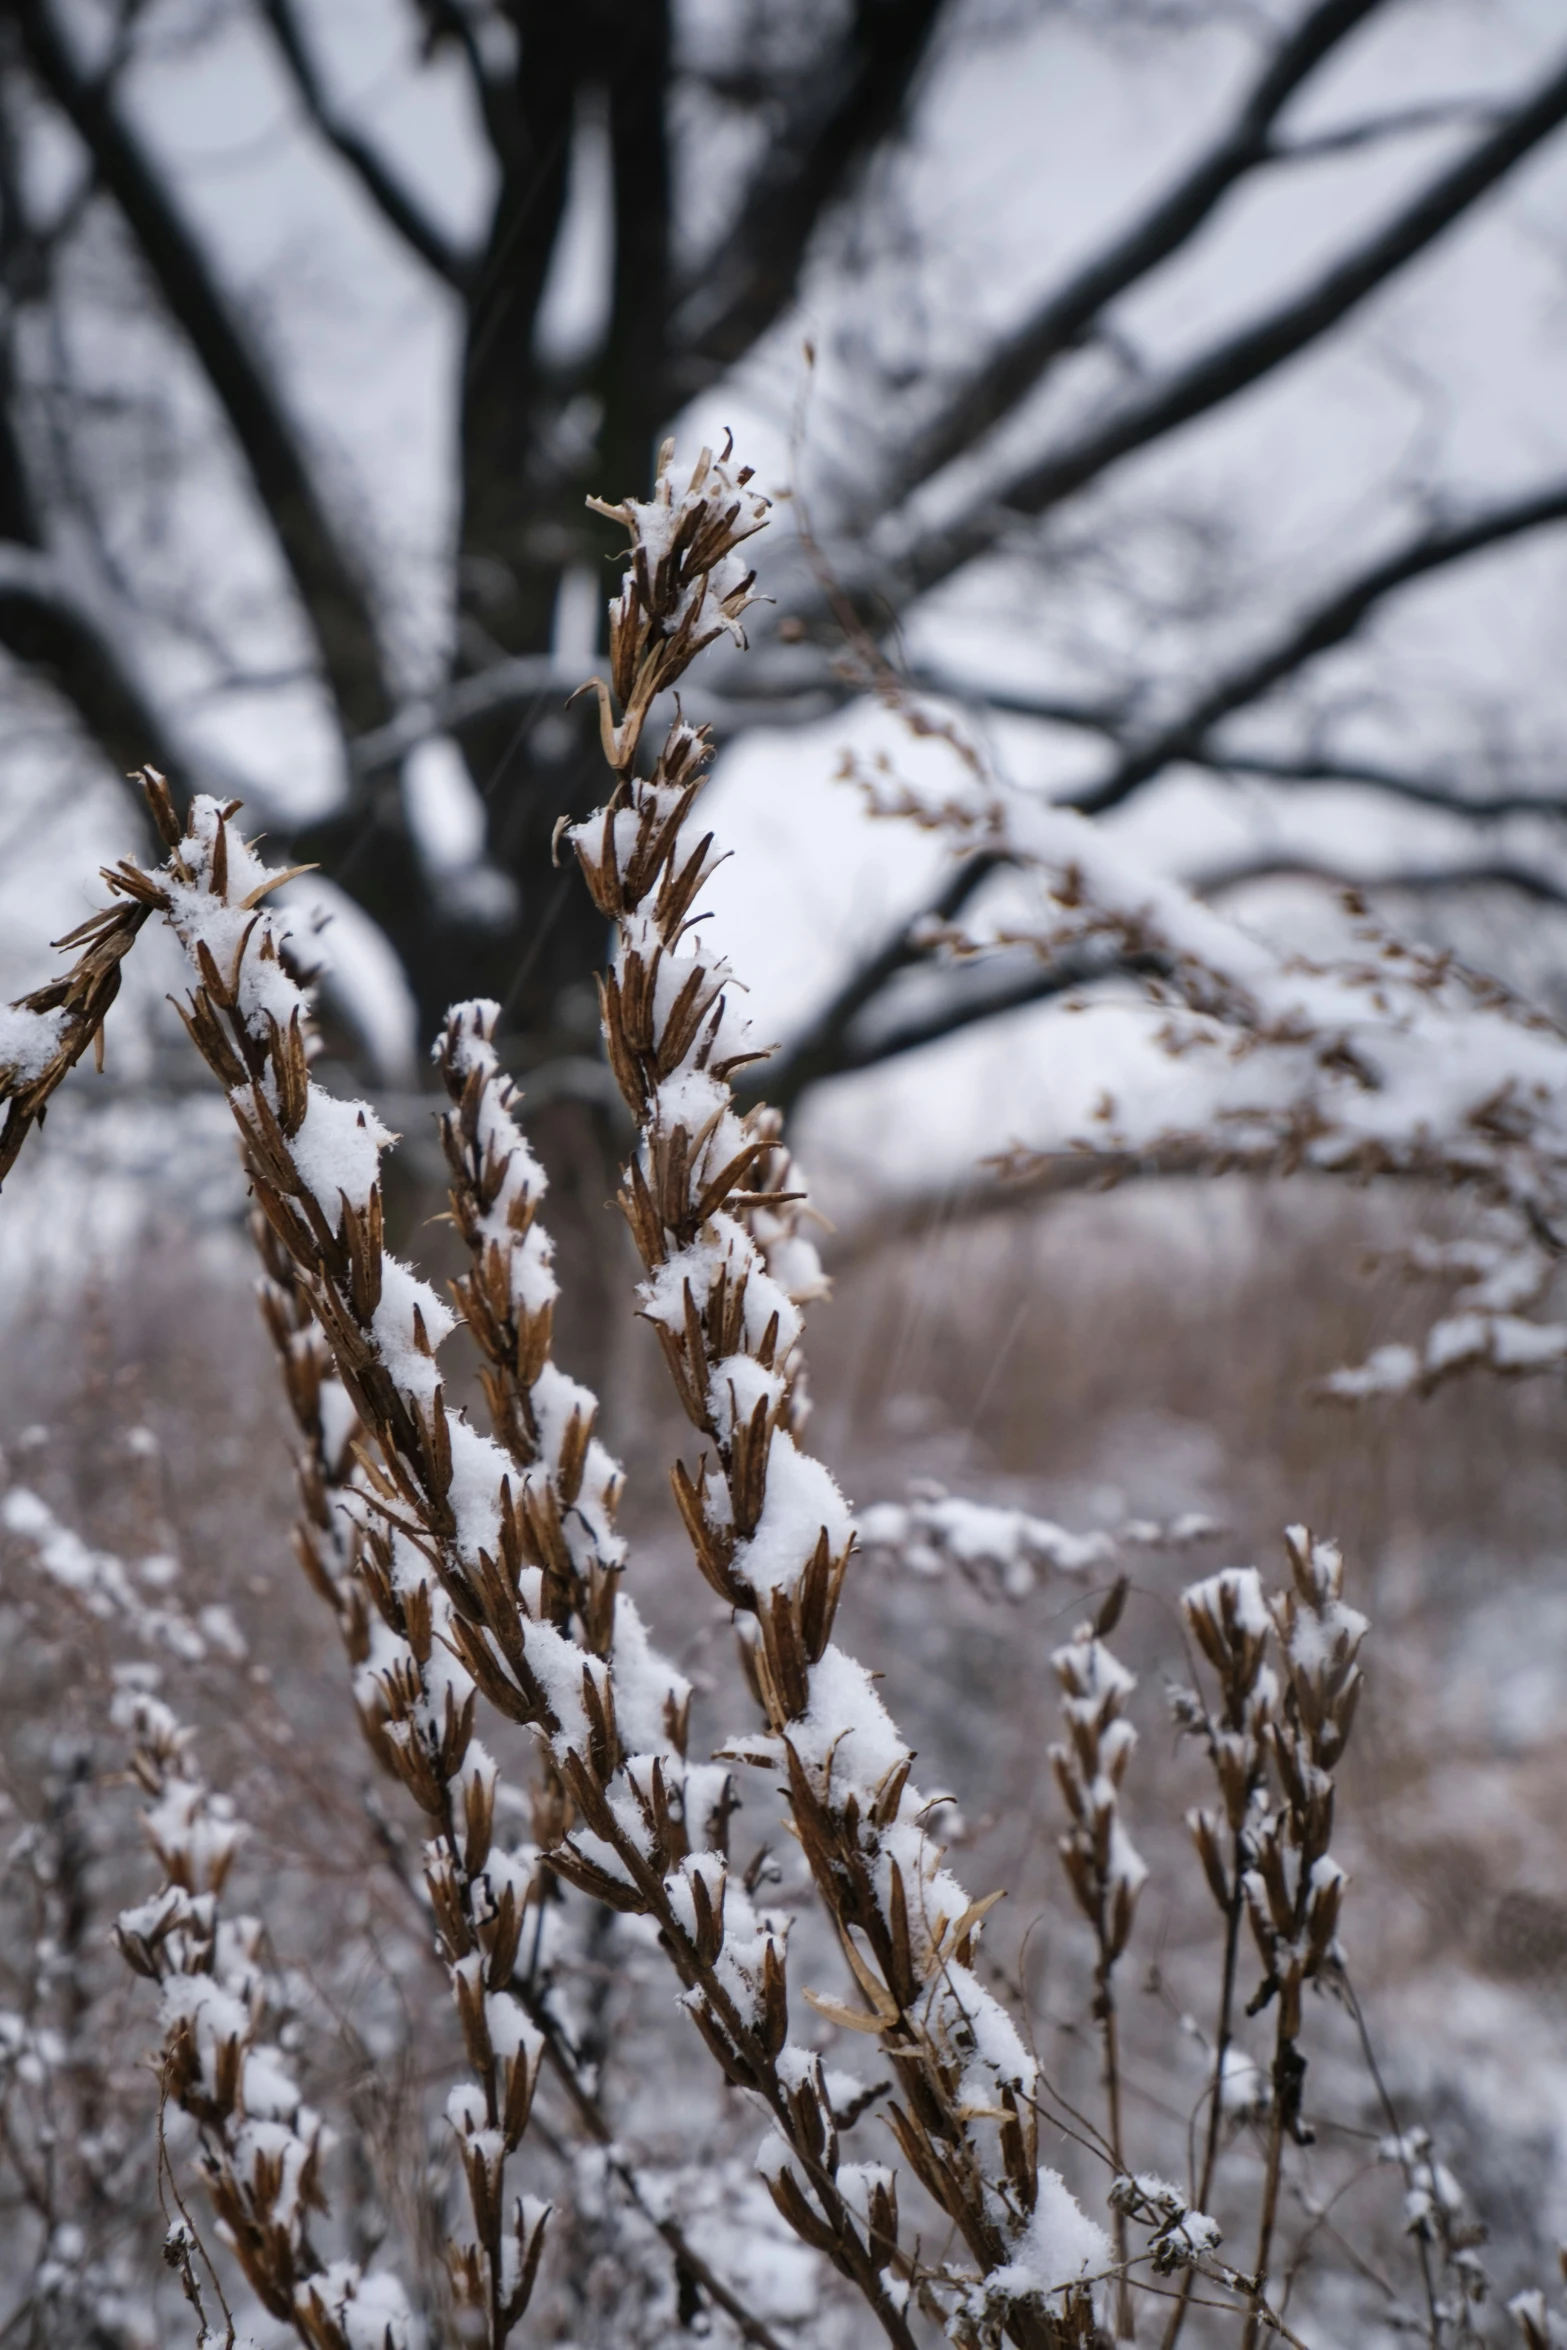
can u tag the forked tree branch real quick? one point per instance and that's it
(391, 198)
(835, 121)
(1237, 361)
(840, 1039)
(1244, 144)
(335, 598)
(1327, 624)
(450, 20)
(842, 1046)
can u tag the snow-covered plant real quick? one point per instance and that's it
(44, 1035)
(104, 1588)
(76, 2158)
(1539, 2326)
(477, 1581)
(1294, 1887)
(1006, 1549)
(261, 2144)
(1387, 1059)
(1227, 1617)
(1104, 1868)
(772, 1535)
(1438, 2215)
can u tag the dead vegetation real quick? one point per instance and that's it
(524, 1838)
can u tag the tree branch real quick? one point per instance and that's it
(449, 20)
(1316, 632)
(387, 193)
(632, 371)
(837, 1041)
(1111, 719)
(1399, 122)
(1426, 791)
(1424, 880)
(334, 597)
(831, 1046)
(1165, 227)
(819, 1052)
(921, 1215)
(47, 624)
(1240, 360)
(838, 118)
(783, 1081)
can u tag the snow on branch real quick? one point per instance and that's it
(1388, 1060)
(1001, 1548)
(261, 2144)
(105, 1587)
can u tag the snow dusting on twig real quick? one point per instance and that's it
(261, 2144)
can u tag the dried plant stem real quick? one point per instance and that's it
(726, 1273)
(1272, 2171)
(313, 1167)
(1103, 1868)
(1124, 2323)
(330, 1544)
(260, 2143)
(44, 1035)
(1223, 2036)
(1227, 1618)
(1294, 1889)
(570, 1485)
(1224, 2023)
(461, 1607)
(1395, 2128)
(590, 2113)
(566, 2064)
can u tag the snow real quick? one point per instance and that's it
(100, 1582)
(371, 2311)
(737, 1385)
(856, 2182)
(405, 1304)
(1233, 1596)
(560, 1667)
(1325, 1636)
(646, 1684)
(723, 1248)
(28, 1041)
(1094, 1681)
(846, 1728)
(936, 1528)
(802, 1502)
(337, 1151)
(1393, 1369)
(512, 2031)
(1057, 2246)
(478, 1467)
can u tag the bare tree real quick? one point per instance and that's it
(935, 478)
